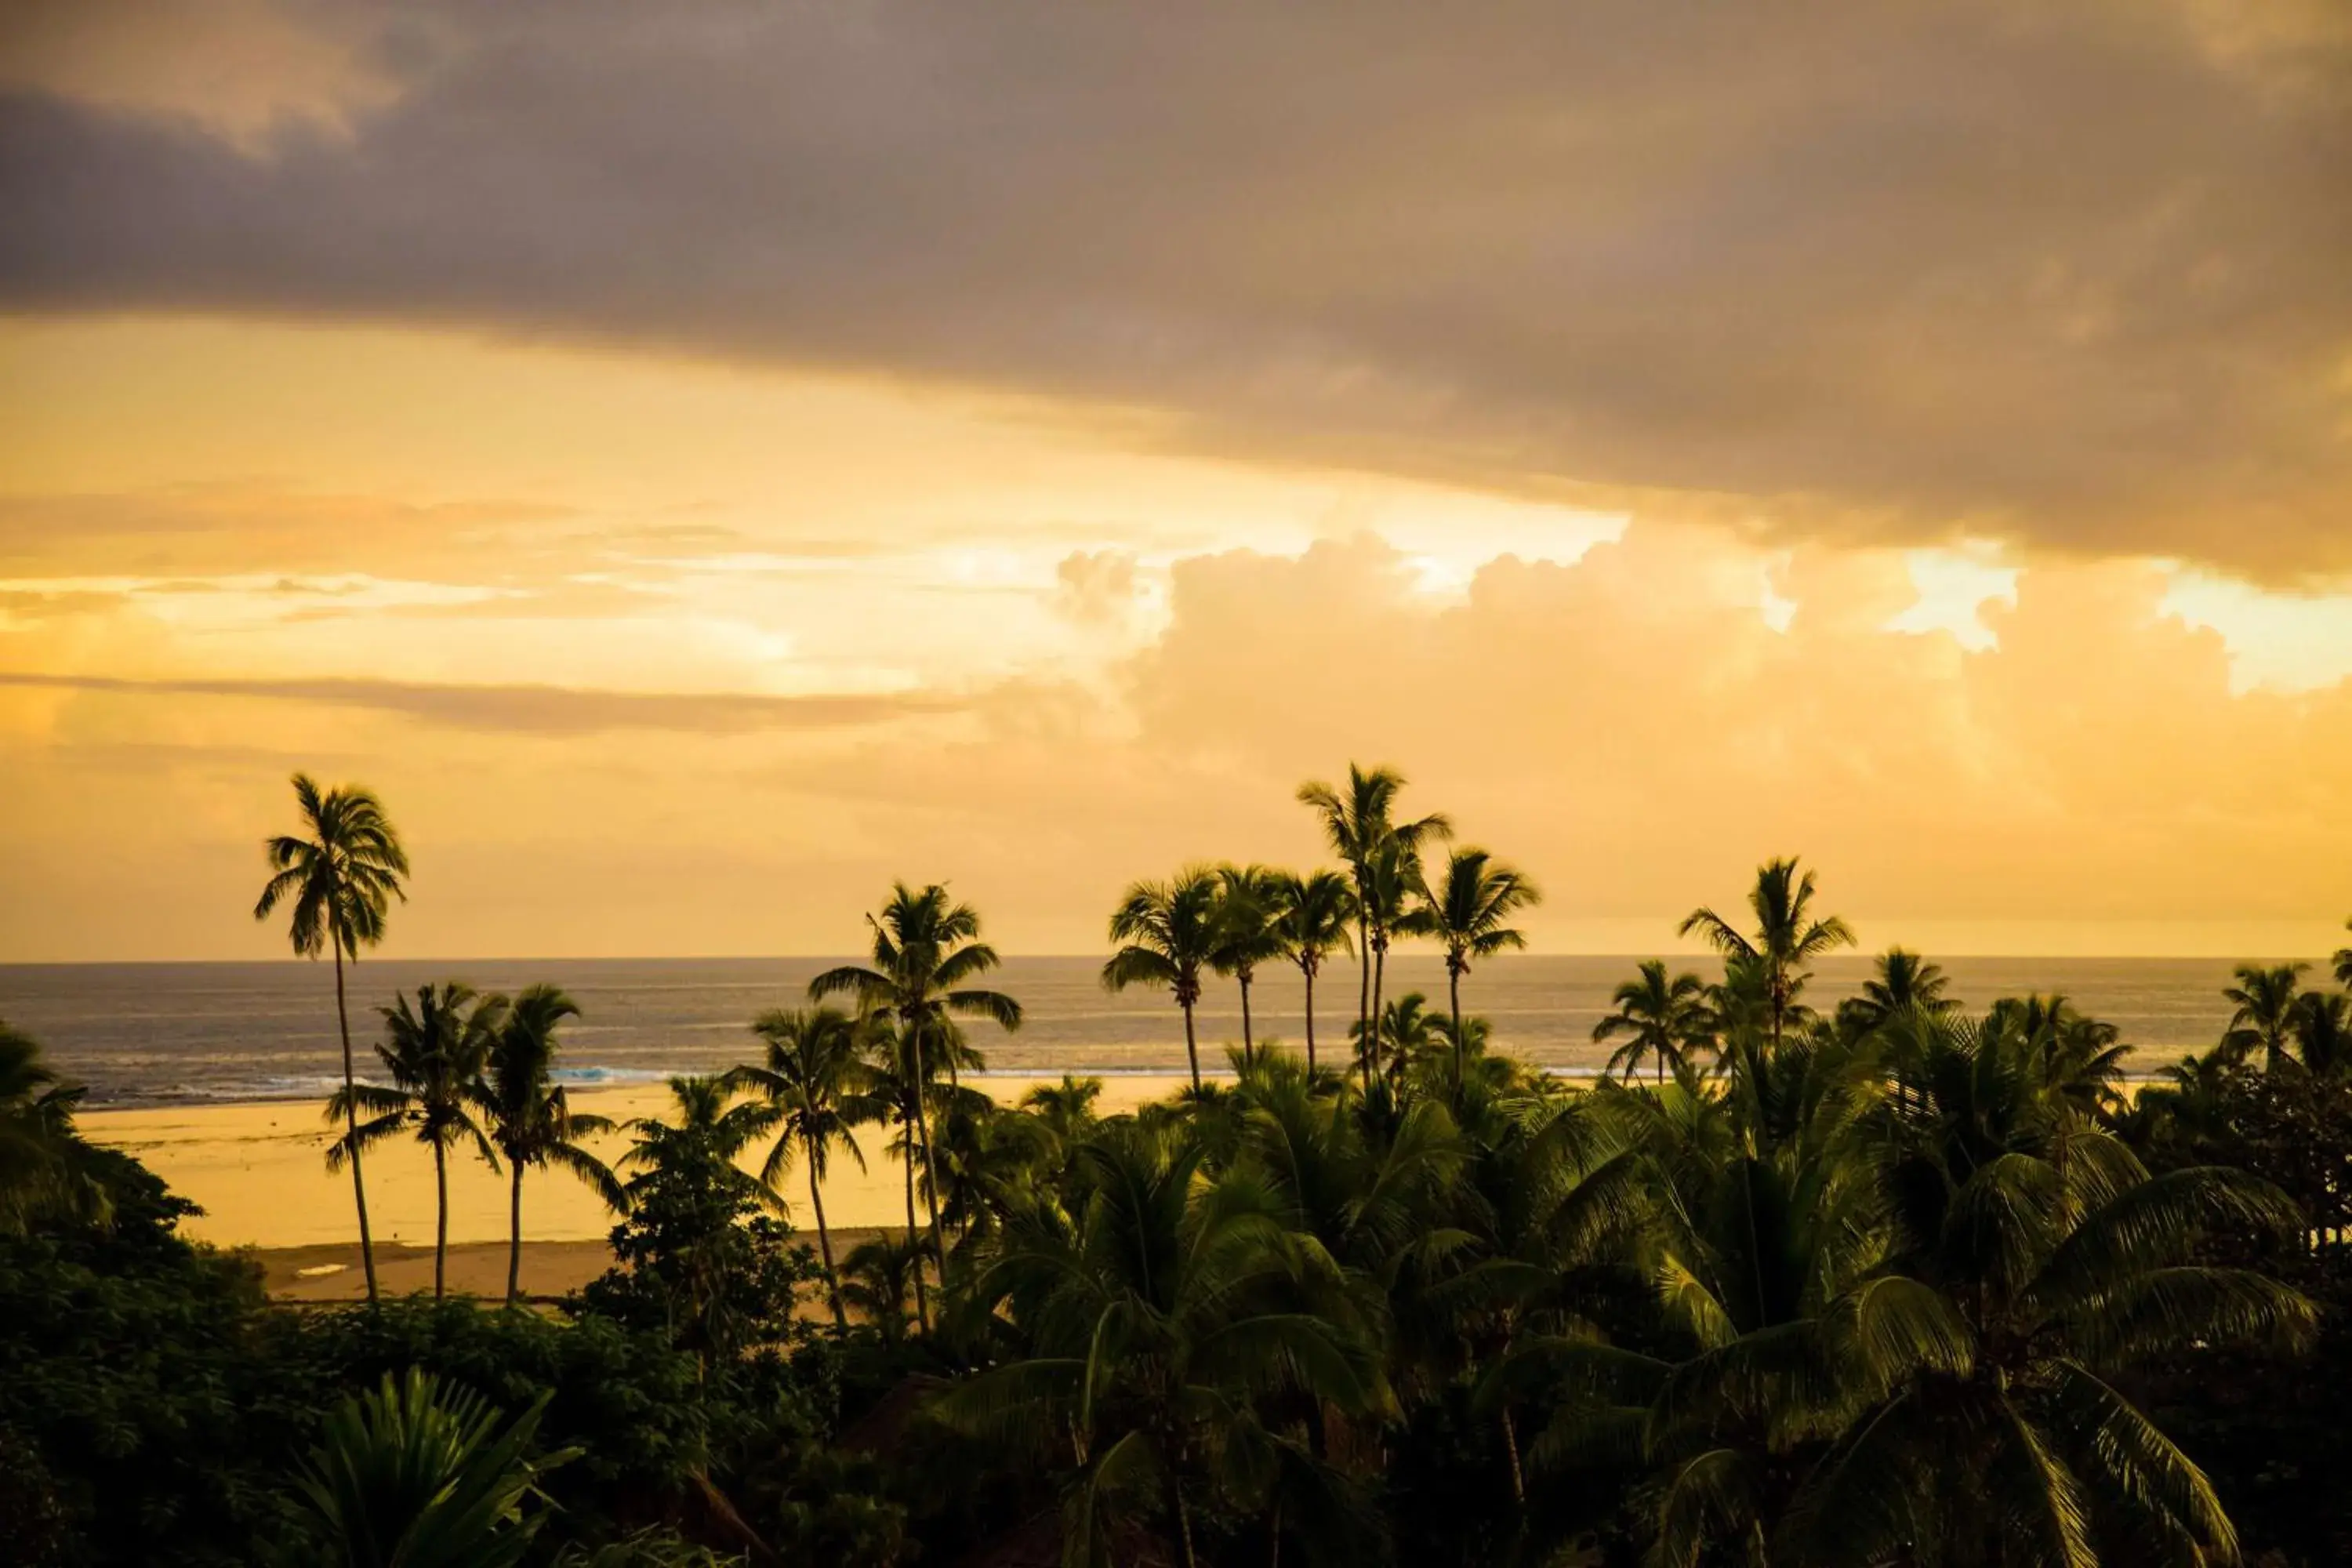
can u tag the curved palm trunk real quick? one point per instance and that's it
(1249, 1046)
(352, 1124)
(825, 1241)
(441, 1217)
(1184, 1522)
(514, 1234)
(1511, 1447)
(922, 1308)
(1191, 1047)
(1310, 1016)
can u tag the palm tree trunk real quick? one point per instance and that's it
(352, 1124)
(1379, 980)
(1363, 993)
(514, 1235)
(1310, 1020)
(922, 1308)
(931, 1173)
(1511, 1447)
(440, 1216)
(1183, 1523)
(1192, 1049)
(1454, 988)
(1249, 1046)
(825, 1242)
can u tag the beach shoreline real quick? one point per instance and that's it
(257, 1170)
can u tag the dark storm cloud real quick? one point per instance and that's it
(532, 710)
(2081, 276)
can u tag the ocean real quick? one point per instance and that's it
(148, 1034)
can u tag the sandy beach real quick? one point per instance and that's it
(259, 1172)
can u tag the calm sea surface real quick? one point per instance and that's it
(165, 1033)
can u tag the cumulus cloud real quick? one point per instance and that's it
(1631, 727)
(2068, 276)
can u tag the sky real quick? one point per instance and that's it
(699, 465)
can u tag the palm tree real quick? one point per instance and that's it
(425, 1477)
(2343, 962)
(530, 1117)
(2323, 1034)
(340, 881)
(1410, 1031)
(1660, 1017)
(1389, 877)
(1066, 1108)
(2267, 1005)
(813, 1072)
(436, 1053)
(1312, 919)
(1903, 982)
(927, 952)
(1465, 913)
(1358, 822)
(42, 1158)
(1160, 1325)
(1249, 899)
(1170, 933)
(1787, 938)
(878, 1274)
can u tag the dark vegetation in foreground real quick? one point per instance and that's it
(1853, 1280)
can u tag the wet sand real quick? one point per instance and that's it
(259, 1172)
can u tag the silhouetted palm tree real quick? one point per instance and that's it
(2343, 962)
(1248, 900)
(531, 1118)
(2322, 1033)
(2267, 1000)
(1389, 877)
(340, 881)
(1787, 937)
(1661, 1017)
(1358, 822)
(1169, 934)
(1465, 914)
(813, 1072)
(1314, 916)
(927, 952)
(436, 1053)
(41, 1155)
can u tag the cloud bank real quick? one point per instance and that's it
(2073, 277)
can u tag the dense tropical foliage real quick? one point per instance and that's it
(1872, 1279)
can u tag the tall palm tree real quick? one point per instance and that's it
(1249, 899)
(1787, 936)
(813, 1072)
(531, 1118)
(1465, 913)
(926, 953)
(1170, 933)
(436, 1053)
(1389, 877)
(1358, 822)
(1660, 1017)
(341, 880)
(2266, 1000)
(1312, 920)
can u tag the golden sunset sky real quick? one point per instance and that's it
(699, 463)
